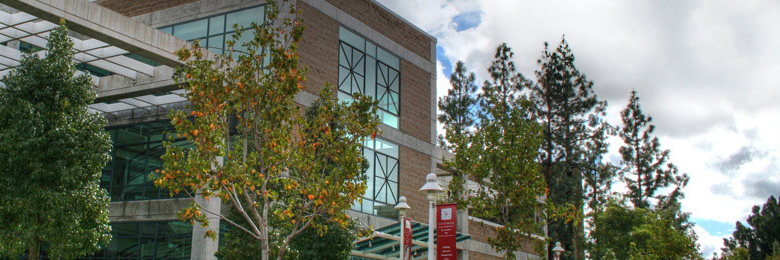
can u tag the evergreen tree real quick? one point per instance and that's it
(645, 167)
(739, 253)
(501, 156)
(51, 155)
(620, 232)
(457, 108)
(760, 234)
(574, 141)
(457, 115)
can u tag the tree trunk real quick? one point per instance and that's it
(35, 250)
(264, 239)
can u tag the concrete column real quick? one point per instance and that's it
(203, 248)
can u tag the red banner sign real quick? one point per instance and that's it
(407, 243)
(446, 220)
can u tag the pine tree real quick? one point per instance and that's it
(457, 108)
(501, 156)
(574, 140)
(761, 234)
(645, 168)
(51, 155)
(458, 117)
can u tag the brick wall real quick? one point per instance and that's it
(414, 166)
(319, 49)
(138, 7)
(481, 232)
(388, 24)
(480, 256)
(415, 101)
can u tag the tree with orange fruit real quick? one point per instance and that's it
(281, 169)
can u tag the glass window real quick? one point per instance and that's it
(148, 240)
(213, 31)
(367, 69)
(136, 154)
(216, 25)
(352, 39)
(216, 44)
(245, 18)
(168, 30)
(382, 178)
(191, 30)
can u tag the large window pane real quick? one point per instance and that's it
(192, 30)
(367, 69)
(136, 154)
(381, 178)
(148, 240)
(244, 18)
(214, 30)
(216, 44)
(216, 25)
(352, 39)
(387, 58)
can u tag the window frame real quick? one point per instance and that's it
(376, 174)
(388, 90)
(141, 236)
(227, 29)
(107, 182)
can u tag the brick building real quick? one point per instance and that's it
(358, 45)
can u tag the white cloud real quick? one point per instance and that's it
(708, 243)
(442, 85)
(706, 70)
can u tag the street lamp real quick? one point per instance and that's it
(558, 250)
(431, 188)
(402, 207)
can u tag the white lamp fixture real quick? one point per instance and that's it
(402, 207)
(431, 188)
(558, 250)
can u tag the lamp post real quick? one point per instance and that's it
(431, 188)
(557, 250)
(402, 207)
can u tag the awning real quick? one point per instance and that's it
(384, 243)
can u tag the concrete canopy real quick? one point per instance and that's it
(136, 60)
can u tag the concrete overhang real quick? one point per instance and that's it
(107, 26)
(138, 59)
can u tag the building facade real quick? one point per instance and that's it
(357, 45)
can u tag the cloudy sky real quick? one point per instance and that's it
(706, 71)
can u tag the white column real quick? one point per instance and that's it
(203, 248)
(431, 222)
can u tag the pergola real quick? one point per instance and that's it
(130, 63)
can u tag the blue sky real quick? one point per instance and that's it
(717, 228)
(706, 70)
